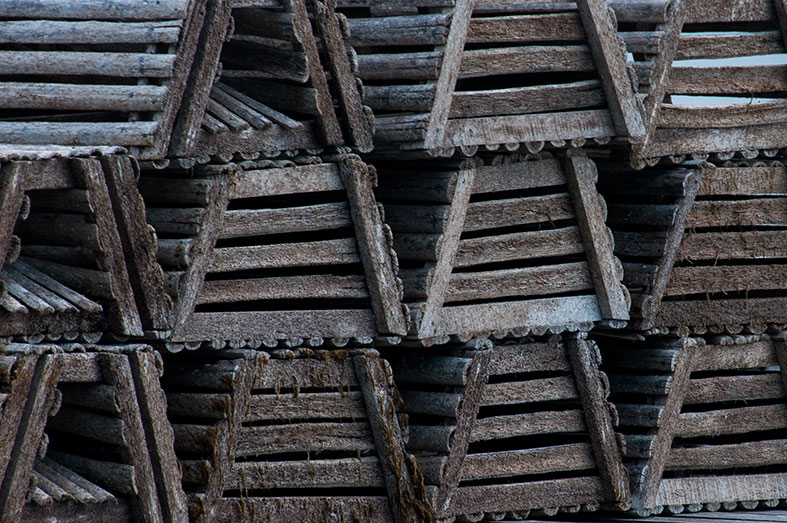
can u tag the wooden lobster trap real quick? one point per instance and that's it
(275, 250)
(702, 246)
(512, 428)
(292, 436)
(77, 251)
(75, 73)
(93, 443)
(507, 246)
(447, 74)
(269, 80)
(703, 419)
(713, 76)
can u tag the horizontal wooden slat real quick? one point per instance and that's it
(547, 422)
(288, 180)
(518, 176)
(258, 222)
(399, 30)
(19, 95)
(304, 437)
(328, 252)
(529, 128)
(739, 455)
(709, 11)
(685, 141)
(512, 314)
(124, 65)
(720, 312)
(527, 100)
(526, 59)
(399, 66)
(734, 388)
(519, 246)
(416, 98)
(545, 389)
(729, 357)
(305, 405)
(530, 281)
(528, 357)
(711, 489)
(525, 28)
(735, 80)
(241, 325)
(96, 9)
(283, 509)
(78, 133)
(518, 211)
(525, 496)
(734, 181)
(575, 456)
(89, 32)
(305, 373)
(729, 44)
(733, 245)
(735, 115)
(314, 473)
(283, 288)
(725, 278)
(732, 421)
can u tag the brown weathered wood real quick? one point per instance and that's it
(610, 62)
(14, 406)
(734, 388)
(450, 65)
(256, 183)
(725, 278)
(398, 473)
(335, 374)
(572, 456)
(373, 247)
(284, 287)
(304, 437)
(585, 361)
(732, 421)
(591, 217)
(528, 59)
(26, 440)
(721, 312)
(364, 472)
(440, 282)
(752, 212)
(744, 245)
(518, 211)
(254, 222)
(11, 195)
(770, 452)
(302, 254)
(733, 488)
(518, 246)
(316, 405)
(122, 308)
(737, 115)
(295, 508)
(743, 180)
(545, 422)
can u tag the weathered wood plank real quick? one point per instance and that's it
(362, 472)
(518, 211)
(283, 288)
(297, 508)
(573, 456)
(519, 246)
(732, 421)
(729, 44)
(124, 65)
(78, 133)
(328, 252)
(62, 96)
(97, 9)
(746, 356)
(305, 437)
(255, 222)
(724, 278)
(528, 357)
(287, 180)
(744, 245)
(305, 405)
(12, 192)
(734, 388)
(684, 491)
(545, 389)
(736, 115)
(721, 312)
(546, 422)
(527, 59)
(525, 28)
(685, 141)
(739, 181)
(518, 176)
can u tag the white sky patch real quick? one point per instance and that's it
(715, 101)
(770, 59)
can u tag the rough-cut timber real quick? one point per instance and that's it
(471, 73)
(282, 438)
(512, 428)
(91, 442)
(506, 245)
(267, 80)
(703, 419)
(96, 73)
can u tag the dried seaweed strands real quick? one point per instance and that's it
(470, 74)
(505, 431)
(730, 101)
(701, 247)
(293, 436)
(511, 246)
(298, 251)
(272, 84)
(703, 420)
(94, 75)
(93, 442)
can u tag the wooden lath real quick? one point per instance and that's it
(260, 84)
(697, 413)
(86, 252)
(465, 436)
(126, 470)
(470, 235)
(125, 97)
(240, 455)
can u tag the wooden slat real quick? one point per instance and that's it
(735, 80)
(306, 405)
(202, 326)
(725, 278)
(508, 315)
(745, 245)
(530, 281)
(287, 180)
(427, 29)
(518, 176)
(712, 489)
(525, 28)
(736, 181)
(685, 141)
(328, 252)
(305, 437)
(721, 312)
(312, 474)
(709, 11)
(528, 59)
(732, 421)
(78, 133)
(518, 246)
(257, 222)
(89, 32)
(729, 44)
(124, 65)
(518, 211)
(545, 389)
(301, 508)
(546, 422)
(734, 388)
(19, 95)
(97, 9)
(283, 288)
(735, 115)
(306, 373)
(746, 356)
(575, 456)
(528, 357)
